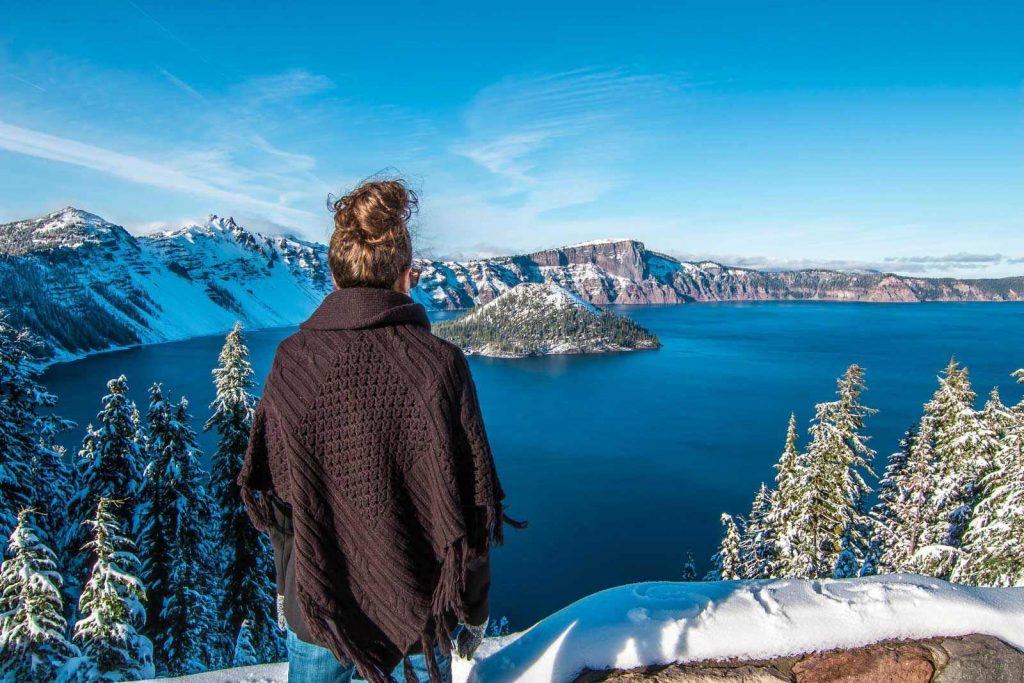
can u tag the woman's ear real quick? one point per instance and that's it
(334, 282)
(403, 283)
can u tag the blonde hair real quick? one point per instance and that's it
(371, 245)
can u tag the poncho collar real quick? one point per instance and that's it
(358, 308)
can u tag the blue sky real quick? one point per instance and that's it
(870, 134)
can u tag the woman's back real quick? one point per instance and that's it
(369, 436)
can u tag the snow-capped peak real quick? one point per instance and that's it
(68, 228)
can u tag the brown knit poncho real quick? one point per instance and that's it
(369, 428)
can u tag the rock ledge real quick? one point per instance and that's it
(963, 659)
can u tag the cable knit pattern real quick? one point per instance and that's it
(369, 427)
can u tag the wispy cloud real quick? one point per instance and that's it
(571, 126)
(181, 85)
(923, 265)
(961, 259)
(140, 170)
(285, 86)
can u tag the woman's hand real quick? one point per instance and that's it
(468, 639)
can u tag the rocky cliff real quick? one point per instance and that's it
(626, 272)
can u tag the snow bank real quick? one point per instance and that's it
(663, 623)
(266, 673)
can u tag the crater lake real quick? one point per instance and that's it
(622, 463)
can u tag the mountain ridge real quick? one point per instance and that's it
(84, 284)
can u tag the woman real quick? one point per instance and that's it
(369, 466)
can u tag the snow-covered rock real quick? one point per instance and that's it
(654, 624)
(663, 623)
(539, 319)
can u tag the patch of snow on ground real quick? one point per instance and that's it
(650, 624)
(663, 623)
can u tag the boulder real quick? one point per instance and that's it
(962, 659)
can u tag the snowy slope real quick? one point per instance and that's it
(662, 623)
(539, 319)
(86, 285)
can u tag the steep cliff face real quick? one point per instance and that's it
(626, 272)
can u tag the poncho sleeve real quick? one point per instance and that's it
(255, 479)
(483, 497)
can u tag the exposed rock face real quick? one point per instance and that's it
(625, 272)
(965, 659)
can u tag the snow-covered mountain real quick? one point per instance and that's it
(533, 319)
(85, 285)
(626, 272)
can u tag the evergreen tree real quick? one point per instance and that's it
(847, 565)
(757, 545)
(689, 569)
(245, 653)
(833, 484)
(109, 466)
(789, 497)
(992, 541)
(959, 454)
(26, 429)
(248, 594)
(179, 556)
(52, 492)
(727, 561)
(154, 527)
(33, 641)
(111, 607)
(899, 514)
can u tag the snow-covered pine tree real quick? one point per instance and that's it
(757, 544)
(248, 593)
(33, 633)
(183, 622)
(727, 561)
(111, 607)
(889, 513)
(833, 485)
(245, 653)
(26, 429)
(109, 466)
(153, 526)
(959, 456)
(847, 566)
(788, 497)
(52, 492)
(992, 543)
(689, 572)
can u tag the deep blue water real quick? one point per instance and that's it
(623, 463)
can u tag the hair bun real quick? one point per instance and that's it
(371, 245)
(375, 212)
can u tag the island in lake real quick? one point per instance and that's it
(535, 319)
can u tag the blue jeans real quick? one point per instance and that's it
(308, 663)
